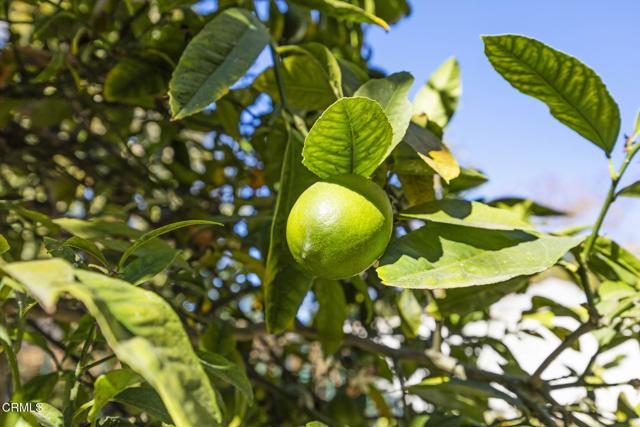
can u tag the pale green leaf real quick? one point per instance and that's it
(352, 136)
(45, 280)
(434, 153)
(48, 415)
(147, 237)
(230, 372)
(343, 10)
(87, 246)
(331, 314)
(636, 128)
(469, 214)
(4, 245)
(448, 256)
(574, 93)
(632, 190)
(392, 95)
(146, 267)
(108, 385)
(410, 312)
(285, 285)
(438, 99)
(215, 59)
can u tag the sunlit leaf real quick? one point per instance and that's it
(352, 136)
(438, 99)
(431, 149)
(4, 245)
(343, 10)
(410, 312)
(574, 93)
(392, 95)
(448, 256)
(470, 214)
(108, 385)
(215, 59)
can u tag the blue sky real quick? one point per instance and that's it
(511, 136)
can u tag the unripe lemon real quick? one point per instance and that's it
(338, 228)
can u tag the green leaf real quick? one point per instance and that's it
(410, 313)
(141, 329)
(445, 256)
(343, 10)
(147, 237)
(434, 153)
(107, 386)
(636, 128)
(468, 179)
(392, 95)
(136, 80)
(87, 246)
(574, 93)
(215, 59)
(331, 314)
(438, 99)
(352, 136)
(222, 368)
(310, 74)
(632, 190)
(48, 415)
(4, 245)
(468, 214)
(467, 300)
(146, 267)
(284, 284)
(146, 399)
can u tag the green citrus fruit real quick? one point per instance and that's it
(338, 228)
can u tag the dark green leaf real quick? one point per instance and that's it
(136, 80)
(632, 190)
(285, 285)
(351, 137)
(574, 93)
(448, 256)
(222, 368)
(146, 399)
(331, 314)
(147, 237)
(88, 246)
(216, 58)
(146, 267)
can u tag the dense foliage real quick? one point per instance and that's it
(150, 154)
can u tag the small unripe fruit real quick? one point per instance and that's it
(339, 227)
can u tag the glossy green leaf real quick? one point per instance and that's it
(352, 136)
(221, 367)
(141, 329)
(632, 190)
(88, 246)
(469, 214)
(311, 76)
(431, 149)
(4, 245)
(215, 59)
(343, 10)
(147, 237)
(332, 313)
(285, 285)
(392, 95)
(438, 99)
(574, 93)
(107, 386)
(148, 266)
(448, 256)
(410, 313)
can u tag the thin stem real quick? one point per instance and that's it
(13, 365)
(573, 337)
(279, 81)
(98, 362)
(73, 392)
(403, 390)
